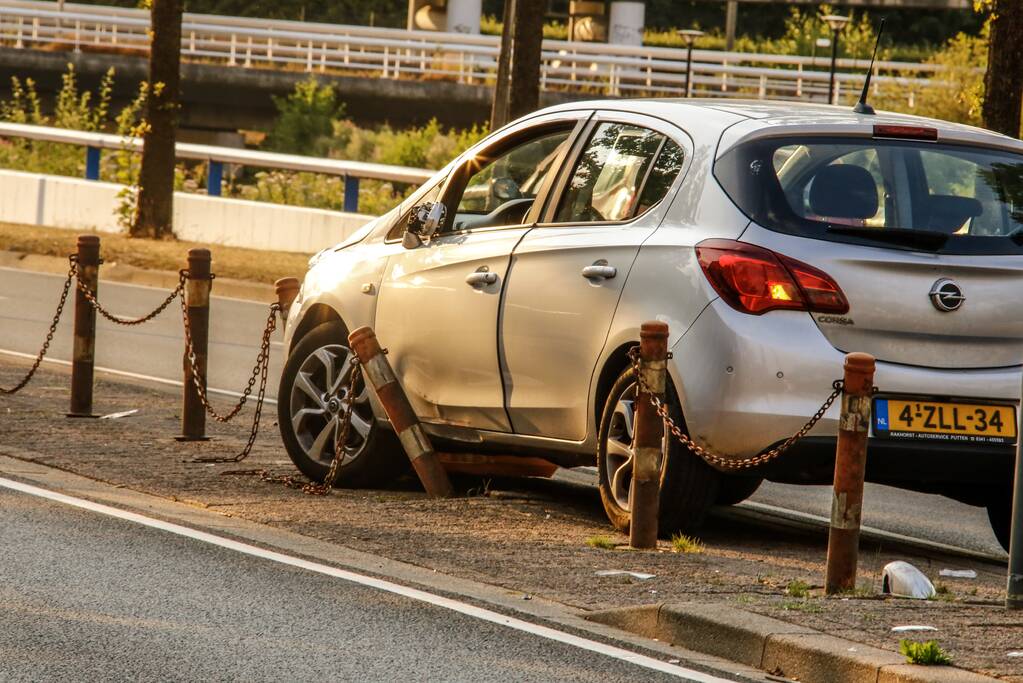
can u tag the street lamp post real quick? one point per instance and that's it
(689, 35)
(836, 22)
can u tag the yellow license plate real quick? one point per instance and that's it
(944, 421)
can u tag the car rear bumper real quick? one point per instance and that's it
(748, 382)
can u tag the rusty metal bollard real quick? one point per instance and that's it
(1014, 580)
(197, 296)
(286, 289)
(381, 377)
(648, 439)
(83, 356)
(850, 466)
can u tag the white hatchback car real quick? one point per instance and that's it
(772, 238)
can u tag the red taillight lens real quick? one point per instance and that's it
(756, 280)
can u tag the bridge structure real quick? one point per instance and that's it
(231, 65)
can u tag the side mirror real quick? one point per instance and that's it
(423, 222)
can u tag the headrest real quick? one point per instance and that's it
(844, 191)
(949, 212)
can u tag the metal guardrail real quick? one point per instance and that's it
(216, 157)
(395, 53)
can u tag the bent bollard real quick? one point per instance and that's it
(381, 377)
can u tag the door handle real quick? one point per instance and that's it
(599, 271)
(481, 278)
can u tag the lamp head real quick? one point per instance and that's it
(836, 22)
(689, 35)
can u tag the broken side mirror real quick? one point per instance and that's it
(425, 219)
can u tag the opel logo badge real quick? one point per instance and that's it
(946, 295)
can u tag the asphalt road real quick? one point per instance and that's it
(155, 349)
(88, 597)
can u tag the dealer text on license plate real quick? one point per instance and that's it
(944, 421)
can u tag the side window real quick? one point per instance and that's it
(501, 189)
(609, 180)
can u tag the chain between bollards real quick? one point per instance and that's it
(850, 468)
(648, 439)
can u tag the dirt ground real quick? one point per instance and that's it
(170, 255)
(526, 535)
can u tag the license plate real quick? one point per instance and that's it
(944, 421)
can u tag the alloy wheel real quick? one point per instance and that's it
(319, 398)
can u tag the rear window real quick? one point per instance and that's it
(939, 197)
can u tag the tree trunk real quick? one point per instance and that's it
(518, 68)
(524, 93)
(156, 178)
(1003, 82)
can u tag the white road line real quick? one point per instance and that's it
(372, 582)
(133, 375)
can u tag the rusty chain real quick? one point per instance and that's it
(309, 487)
(72, 271)
(260, 371)
(709, 456)
(90, 296)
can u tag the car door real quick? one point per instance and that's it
(439, 302)
(568, 272)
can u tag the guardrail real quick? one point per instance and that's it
(216, 157)
(395, 53)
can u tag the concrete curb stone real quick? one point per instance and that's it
(775, 646)
(126, 274)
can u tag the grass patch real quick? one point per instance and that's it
(601, 542)
(925, 654)
(943, 593)
(801, 606)
(229, 262)
(681, 543)
(798, 589)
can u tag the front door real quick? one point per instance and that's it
(438, 305)
(568, 273)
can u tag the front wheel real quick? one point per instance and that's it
(313, 397)
(688, 485)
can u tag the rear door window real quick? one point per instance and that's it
(622, 172)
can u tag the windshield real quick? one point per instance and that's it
(966, 200)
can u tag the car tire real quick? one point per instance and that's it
(689, 486)
(732, 489)
(311, 400)
(999, 513)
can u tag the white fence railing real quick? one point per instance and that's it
(216, 157)
(596, 68)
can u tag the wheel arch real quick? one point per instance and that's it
(615, 363)
(317, 314)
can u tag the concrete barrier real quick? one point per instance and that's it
(77, 204)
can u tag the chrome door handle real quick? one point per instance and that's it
(481, 278)
(599, 271)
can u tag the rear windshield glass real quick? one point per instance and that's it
(900, 194)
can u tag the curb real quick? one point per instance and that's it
(133, 275)
(775, 646)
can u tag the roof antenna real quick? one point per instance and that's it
(862, 107)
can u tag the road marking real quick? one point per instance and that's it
(372, 582)
(133, 375)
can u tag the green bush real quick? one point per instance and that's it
(925, 654)
(304, 118)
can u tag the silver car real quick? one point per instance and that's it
(772, 238)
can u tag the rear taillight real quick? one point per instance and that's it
(756, 280)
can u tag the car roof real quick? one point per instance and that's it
(761, 116)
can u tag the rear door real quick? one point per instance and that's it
(918, 236)
(567, 274)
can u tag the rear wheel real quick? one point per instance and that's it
(313, 397)
(688, 484)
(999, 513)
